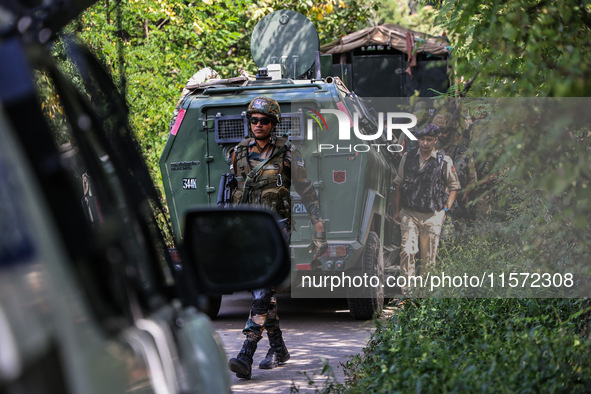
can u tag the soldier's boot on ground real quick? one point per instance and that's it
(241, 365)
(278, 353)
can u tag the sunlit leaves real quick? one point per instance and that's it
(164, 42)
(521, 47)
(398, 11)
(531, 48)
(476, 345)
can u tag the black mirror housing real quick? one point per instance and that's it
(233, 249)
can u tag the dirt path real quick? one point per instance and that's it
(314, 330)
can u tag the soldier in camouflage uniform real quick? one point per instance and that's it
(422, 201)
(454, 146)
(270, 157)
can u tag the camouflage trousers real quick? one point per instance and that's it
(420, 235)
(263, 313)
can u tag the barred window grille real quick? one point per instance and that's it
(292, 125)
(230, 128)
(234, 128)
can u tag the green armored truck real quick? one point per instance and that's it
(348, 149)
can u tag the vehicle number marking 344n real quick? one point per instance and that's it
(189, 183)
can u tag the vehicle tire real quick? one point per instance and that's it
(367, 302)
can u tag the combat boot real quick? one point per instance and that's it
(241, 365)
(278, 353)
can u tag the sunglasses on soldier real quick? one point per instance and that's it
(264, 121)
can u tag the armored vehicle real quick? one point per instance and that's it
(352, 177)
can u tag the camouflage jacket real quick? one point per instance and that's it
(424, 183)
(463, 162)
(272, 183)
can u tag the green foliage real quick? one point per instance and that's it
(421, 18)
(536, 154)
(332, 18)
(520, 47)
(328, 385)
(51, 107)
(540, 156)
(476, 345)
(165, 42)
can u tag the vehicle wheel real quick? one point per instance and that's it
(212, 306)
(365, 303)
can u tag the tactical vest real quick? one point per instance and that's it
(423, 190)
(271, 184)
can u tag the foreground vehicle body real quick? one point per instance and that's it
(86, 302)
(90, 302)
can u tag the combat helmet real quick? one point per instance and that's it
(421, 111)
(440, 120)
(266, 106)
(420, 106)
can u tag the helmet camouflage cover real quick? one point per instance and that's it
(441, 120)
(444, 121)
(421, 106)
(266, 106)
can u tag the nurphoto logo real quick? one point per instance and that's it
(387, 122)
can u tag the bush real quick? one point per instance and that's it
(485, 345)
(477, 344)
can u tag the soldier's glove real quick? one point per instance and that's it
(318, 245)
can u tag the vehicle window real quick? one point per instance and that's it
(16, 245)
(115, 270)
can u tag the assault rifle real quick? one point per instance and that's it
(227, 183)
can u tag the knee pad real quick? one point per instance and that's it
(262, 301)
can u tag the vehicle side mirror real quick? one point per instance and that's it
(233, 249)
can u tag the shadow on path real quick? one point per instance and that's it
(313, 330)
